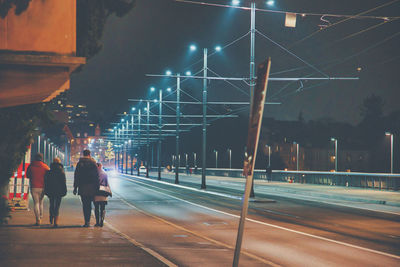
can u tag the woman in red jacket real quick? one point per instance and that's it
(35, 172)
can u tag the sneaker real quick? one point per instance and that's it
(86, 225)
(97, 225)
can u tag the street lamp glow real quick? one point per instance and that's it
(188, 73)
(192, 48)
(168, 72)
(155, 100)
(152, 89)
(270, 3)
(218, 48)
(145, 109)
(235, 2)
(388, 134)
(133, 109)
(169, 89)
(122, 120)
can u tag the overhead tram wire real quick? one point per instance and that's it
(344, 20)
(357, 16)
(356, 54)
(233, 85)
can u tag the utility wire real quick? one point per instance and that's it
(291, 53)
(232, 84)
(344, 20)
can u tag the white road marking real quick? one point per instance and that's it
(268, 224)
(140, 245)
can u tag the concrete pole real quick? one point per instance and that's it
(203, 168)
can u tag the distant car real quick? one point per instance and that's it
(142, 170)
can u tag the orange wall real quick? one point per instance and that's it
(46, 26)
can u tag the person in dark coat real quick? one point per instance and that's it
(55, 187)
(100, 199)
(86, 183)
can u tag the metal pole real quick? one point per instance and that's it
(159, 138)
(38, 147)
(216, 159)
(148, 140)
(391, 153)
(132, 138)
(297, 156)
(269, 156)
(336, 156)
(138, 157)
(178, 114)
(252, 65)
(203, 168)
(230, 158)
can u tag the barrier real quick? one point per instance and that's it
(18, 195)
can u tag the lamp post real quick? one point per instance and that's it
(336, 152)
(178, 114)
(230, 158)
(391, 150)
(203, 168)
(139, 135)
(159, 136)
(297, 155)
(269, 155)
(148, 139)
(216, 158)
(195, 159)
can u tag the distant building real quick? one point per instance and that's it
(316, 150)
(88, 138)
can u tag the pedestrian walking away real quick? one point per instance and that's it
(86, 183)
(100, 199)
(36, 172)
(55, 187)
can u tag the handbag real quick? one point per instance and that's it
(105, 190)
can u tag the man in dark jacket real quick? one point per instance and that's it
(86, 183)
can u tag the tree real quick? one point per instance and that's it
(18, 126)
(109, 153)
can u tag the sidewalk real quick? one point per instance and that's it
(23, 244)
(368, 199)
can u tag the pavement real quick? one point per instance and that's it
(22, 243)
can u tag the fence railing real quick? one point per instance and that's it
(383, 181)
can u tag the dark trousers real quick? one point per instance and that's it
(99, 208)
(87, 207)
(55, 203)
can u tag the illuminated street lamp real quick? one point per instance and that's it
(391, 150)
(269, 155)
(297, 155)
(270, 3)
(218, 48)
(235, 2)
(188, 73)
(336, 156)
(230, 158)
(216, 158)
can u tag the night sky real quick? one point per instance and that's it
(156, 34)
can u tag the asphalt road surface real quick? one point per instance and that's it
(192, 227)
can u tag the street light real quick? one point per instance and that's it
(336, 156)
(168, 72)
(391, 150)
(269, 155)
(297, 155)
(230, 158)
(235, 2)
(218, 48)
(270, 3)
(188, 73)
(216, 158)
(193, 47)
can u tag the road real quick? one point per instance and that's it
(192, 227)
